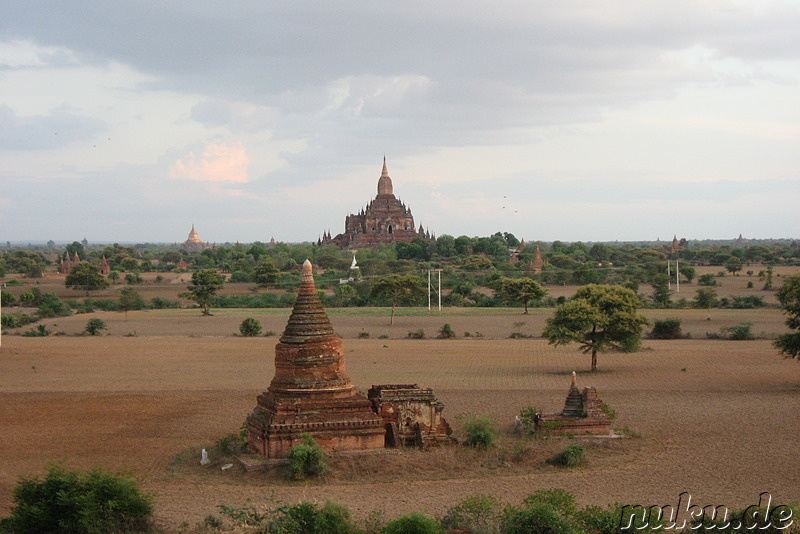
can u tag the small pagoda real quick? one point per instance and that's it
(310, 392)
(583, 414)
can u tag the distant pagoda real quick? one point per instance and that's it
(193, 242)
(385, 220)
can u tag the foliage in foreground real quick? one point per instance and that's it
(74, 502)
(550, 511)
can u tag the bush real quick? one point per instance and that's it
(739, 332)
(157, 303)
(572, 456)
(748, 302)
(413, 523)
(307, 458)
(250, 327)
(528, 417)
(446, 331)
(559, 500)
(95, 326)
(74, 502)
(106, 305)
(535, 519)
(40, 331)
(479, 514)
(417, 334)
(480, 432)
(8, 299)
(706, 280)
(16, 321)
(666, 329)
(51, 306)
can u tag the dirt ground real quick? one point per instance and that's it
(718, 419)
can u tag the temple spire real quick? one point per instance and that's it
(385, 182)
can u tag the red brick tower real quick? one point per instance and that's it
(310, 392)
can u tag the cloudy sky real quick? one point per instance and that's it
(592, 121)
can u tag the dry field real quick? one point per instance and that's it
(718, 419)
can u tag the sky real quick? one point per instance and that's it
(552, 120)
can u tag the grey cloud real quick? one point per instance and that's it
(60, 128)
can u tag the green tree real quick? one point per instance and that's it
(398, 288)
(661, 291)
(688, 272)
(265, 273)
(130, 299)
(707, 279)
(519, 290)
(733, 265)
(205, 284)
(599, 317)
(87, 277)
(95, 326)
(789, 297)
(706, 297)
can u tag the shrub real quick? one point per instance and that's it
(413, 523)
(95, 326)
(748, 302)
(559, 500)
(572, 456)
(417, 334)
(363, 335)
(527, 418)
(106, 305)
(74, 502)
(739, 332)
(706, 280)
(8, 299)
(480, 431)
(40, 331)
(479, 514)
(446, 331)
(158, 303)
(535, 519)
(51, 306)
(610, 412)
(667, 329)
(333, 519)
(250, 327)
(307, 458)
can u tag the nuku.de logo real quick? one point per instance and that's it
(754, 518)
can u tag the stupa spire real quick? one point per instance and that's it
(308, 320)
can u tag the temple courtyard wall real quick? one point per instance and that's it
(709, 412)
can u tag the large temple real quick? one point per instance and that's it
(385, 220)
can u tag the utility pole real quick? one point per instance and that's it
(438, 291)
(669, 276)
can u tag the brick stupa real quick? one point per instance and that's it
(583, 414)
(310, 392)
